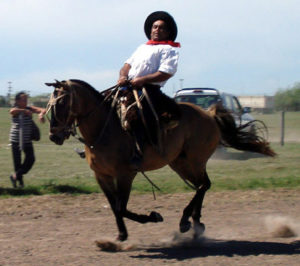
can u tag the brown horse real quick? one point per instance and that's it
(186, 148)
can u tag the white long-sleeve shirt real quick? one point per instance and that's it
(148, 59)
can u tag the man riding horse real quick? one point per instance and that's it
(109, 148)
(149, 68)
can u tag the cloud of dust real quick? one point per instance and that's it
(190, 239)
(280, 226)
(194, 238)
(112, 245)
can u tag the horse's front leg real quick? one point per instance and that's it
(108, 189)
(153, 217)
(114, 203)
(123, 197)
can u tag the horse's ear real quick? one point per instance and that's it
(49, 84)
(57, 84)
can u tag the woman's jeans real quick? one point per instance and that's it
(22, 168)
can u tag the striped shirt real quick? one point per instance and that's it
(21, 128)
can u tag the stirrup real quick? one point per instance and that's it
(81, 153)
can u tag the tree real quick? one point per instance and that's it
(3, 101)
(288, 99)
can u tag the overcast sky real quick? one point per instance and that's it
(245, 47)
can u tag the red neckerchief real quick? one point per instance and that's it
(174, 44)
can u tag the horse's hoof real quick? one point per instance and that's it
(199, 229)
(156, 217)
(184, 227)
(122, 237)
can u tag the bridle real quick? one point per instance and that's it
(71, 128)
(66, 126)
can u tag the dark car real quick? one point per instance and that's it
(205, 97)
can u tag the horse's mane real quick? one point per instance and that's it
(92, 90)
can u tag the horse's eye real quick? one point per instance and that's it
(61, 101)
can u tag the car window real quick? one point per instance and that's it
(236, 107)
(227, 102)
(183, 99)
(203, 101)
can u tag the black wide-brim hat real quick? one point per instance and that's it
(167, 18)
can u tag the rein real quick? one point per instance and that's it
(109, 114)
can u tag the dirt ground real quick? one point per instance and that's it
(242, 228)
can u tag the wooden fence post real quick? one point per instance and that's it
(282, 128)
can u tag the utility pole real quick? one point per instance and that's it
(9, 92)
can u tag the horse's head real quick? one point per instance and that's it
(62, 117)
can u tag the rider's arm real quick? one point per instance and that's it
(123, 78)
(150, 78)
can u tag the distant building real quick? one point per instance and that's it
(262, 104)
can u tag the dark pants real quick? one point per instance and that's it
(22, 168)
(162, 102)
(165, 107)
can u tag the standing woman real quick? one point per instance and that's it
(20, 136)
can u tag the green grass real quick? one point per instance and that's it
(58, 169)
(273, 122)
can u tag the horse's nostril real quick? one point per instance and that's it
(54, 130)
(57, 139)
(52, 137)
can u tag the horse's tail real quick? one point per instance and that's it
(236, 136)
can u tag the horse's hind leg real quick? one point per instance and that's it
(194, 208)
(198, 177)
(196, 215)
(185, 224)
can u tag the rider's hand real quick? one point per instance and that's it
(137, 82)
(123, 81)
